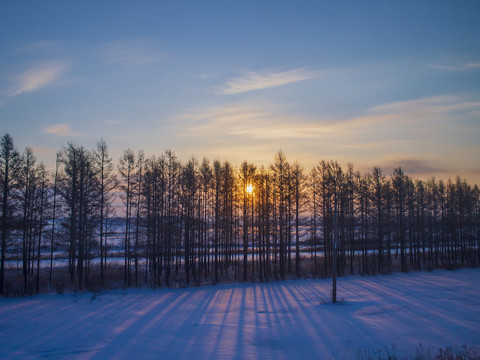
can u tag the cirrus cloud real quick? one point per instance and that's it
(257, 81)
(458, 67)
(61, 130)
(37, 77)
(390, 134)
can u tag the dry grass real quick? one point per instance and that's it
(461, 352)
(114, 276)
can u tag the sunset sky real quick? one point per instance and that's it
(385, 83)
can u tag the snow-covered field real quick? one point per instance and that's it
(282, 320)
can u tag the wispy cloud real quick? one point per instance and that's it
(425, 110)
(61, 130)
(267, 121)
(390, 135)
(458, 67)
(247, 120)
(137, 52)
(257, 81)
(38, 77)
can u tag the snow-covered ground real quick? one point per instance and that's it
(282, 320)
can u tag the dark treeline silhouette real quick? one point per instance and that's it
(158, 221)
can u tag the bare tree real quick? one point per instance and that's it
(247, 171)
(43, 199)
(107, 183)
(378, 180)
(54, 213)
(78, 189)
(126, 168)
(27, 193)
(139, 183)
(298, 178)
(204, 220)
(280, 170)
(10, 162)
(189, 198)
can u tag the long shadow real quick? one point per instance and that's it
(419, 299)
(130, 326)
(322, 324)
(226, 327)
(283, 320)
(206, 325)
(191, 332)
(241, 322)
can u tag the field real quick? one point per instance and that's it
(376, 317)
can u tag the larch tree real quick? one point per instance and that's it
(54, 215)
(42, 206)
(138, 215)
(78, 190)
(28, 182)
(280, 170)
(298, 179)
(126, 168)
(10, 163)
(217, 184)
(247, 172)
(106, 185)
(378, 182)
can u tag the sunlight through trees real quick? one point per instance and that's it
(159, 221)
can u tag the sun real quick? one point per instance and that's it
(250, 188)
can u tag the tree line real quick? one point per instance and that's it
(164, 222)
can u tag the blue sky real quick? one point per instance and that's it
(385, 83)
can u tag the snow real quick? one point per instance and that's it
(280, 320)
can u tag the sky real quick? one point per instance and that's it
(374, 83)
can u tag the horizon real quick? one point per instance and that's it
(409, 169)
(378, 84)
